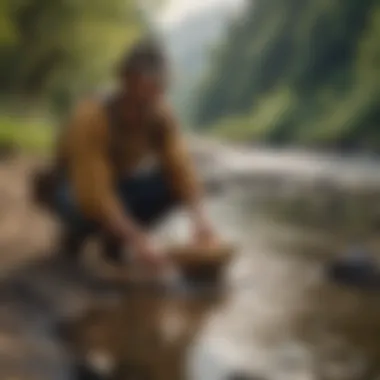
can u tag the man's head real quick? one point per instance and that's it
(143, 72)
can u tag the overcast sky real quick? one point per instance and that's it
(176, 10)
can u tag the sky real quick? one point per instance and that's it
(177, 10)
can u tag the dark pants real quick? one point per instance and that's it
(146, 197)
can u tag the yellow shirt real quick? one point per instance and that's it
(85, 150)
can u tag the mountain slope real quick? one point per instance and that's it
(189, 43)
(306, 72)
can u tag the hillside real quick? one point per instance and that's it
(298, 72)
(188, 43)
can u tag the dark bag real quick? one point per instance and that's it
(43, 187)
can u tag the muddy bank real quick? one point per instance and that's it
(30, 296)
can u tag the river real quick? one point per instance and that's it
(280, 317)
(283, 318)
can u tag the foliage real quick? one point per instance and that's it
(56, 48)
(27, 135)
(306, 72)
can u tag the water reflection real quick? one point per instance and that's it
(278, 319)
(292, 323)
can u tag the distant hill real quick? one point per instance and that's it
(305, 72)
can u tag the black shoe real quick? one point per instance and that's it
(113, 250)
(71, 244)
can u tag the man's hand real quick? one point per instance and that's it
(146, 251)
(204, 233)
(138, 241)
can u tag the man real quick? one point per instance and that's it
(100, 153)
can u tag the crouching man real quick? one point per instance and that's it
(99, 187)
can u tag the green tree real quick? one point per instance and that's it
(298, 71)
(61, 46)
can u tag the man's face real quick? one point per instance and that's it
(146, 87)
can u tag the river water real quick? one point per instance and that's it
(279, 318)
(283, 318)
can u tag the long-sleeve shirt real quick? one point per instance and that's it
(85, 150)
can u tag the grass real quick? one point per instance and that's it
(26, 135)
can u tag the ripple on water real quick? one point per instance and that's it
(282, 325)
(279, 320)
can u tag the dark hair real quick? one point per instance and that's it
(147, 55)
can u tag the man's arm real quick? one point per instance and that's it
(180, 170)
(91, 173)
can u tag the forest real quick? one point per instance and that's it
(297, 73)
(52, 50)
(51, 53)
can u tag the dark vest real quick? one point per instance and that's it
(116, 125)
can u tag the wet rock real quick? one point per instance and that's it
(214, 187)
(356, 268)
(244, 376)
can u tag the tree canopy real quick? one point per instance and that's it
(53, 47)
